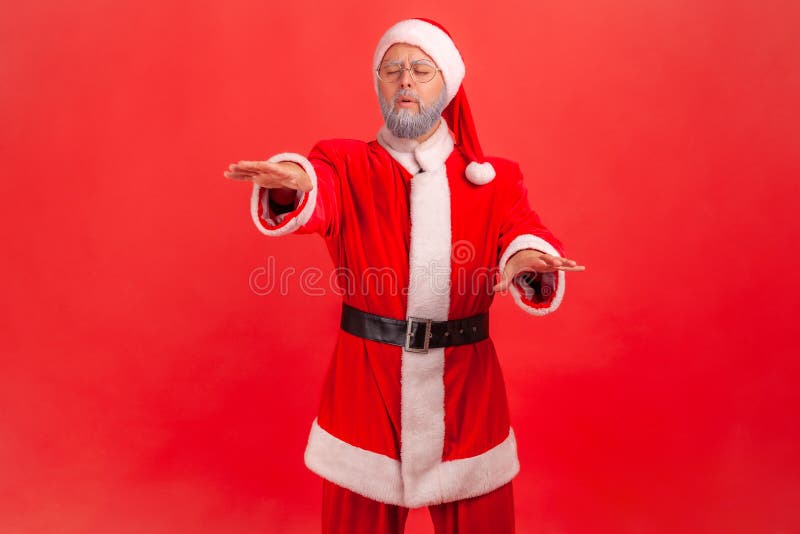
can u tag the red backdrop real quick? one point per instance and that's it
(145, 387)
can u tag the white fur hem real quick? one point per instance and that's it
(526, 241)
(379, 477)
(298, 220)
(365, 472)
(422, 396)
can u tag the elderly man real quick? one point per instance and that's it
(414, 410)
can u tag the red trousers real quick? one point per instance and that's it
(345, 512)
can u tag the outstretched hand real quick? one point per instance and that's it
(527, 260)
(282, 175)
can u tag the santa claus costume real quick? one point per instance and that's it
(417, 423)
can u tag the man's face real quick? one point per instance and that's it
(411, 108)
(428, 92)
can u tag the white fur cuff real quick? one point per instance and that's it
(526, 241)
(289, 222)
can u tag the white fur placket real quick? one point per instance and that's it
(422, 375)
(426, 478)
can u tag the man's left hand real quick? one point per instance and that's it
(527, 260)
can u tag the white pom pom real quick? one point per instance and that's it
(480, 173)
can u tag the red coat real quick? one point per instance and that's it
(411, 236)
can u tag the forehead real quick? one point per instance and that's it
(403, 51)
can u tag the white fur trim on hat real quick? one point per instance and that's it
(431, 39)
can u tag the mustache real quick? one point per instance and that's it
(406, 93)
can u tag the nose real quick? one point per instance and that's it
(405, 78)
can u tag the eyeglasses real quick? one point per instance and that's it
(420, 71)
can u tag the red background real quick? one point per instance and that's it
(145, 388)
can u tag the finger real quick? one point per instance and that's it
(542, 268)
(270, 182)
(239, 168)
(247, 163)
(556, 268)
(238, 175)
(566, 262)
(246, 175)
(257, 166)
(239, 165)
(502, 285)
(536, 264)
(575, 268)
(552, 261)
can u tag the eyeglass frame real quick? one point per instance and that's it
(410, 72)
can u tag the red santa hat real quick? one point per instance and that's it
(431, 37)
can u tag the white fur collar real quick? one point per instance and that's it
(415, 156)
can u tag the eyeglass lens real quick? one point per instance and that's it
(420, 72)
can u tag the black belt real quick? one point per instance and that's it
(415, 334)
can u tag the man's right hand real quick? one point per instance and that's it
(282, 175)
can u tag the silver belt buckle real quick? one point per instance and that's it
(409, 325)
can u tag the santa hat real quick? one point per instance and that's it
(431, 37)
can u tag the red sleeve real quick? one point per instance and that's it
(522, 228)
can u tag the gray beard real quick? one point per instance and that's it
(404, 122)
